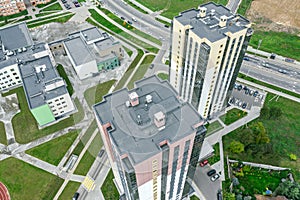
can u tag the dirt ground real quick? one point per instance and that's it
(277, 15)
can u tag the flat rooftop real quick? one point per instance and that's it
(78, 50)
(90, 34)
(133, 130)
(208, 26)
(106, 43)
(36, 74)
(15, 36)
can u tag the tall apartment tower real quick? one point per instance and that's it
(208, 46)
(152, 138)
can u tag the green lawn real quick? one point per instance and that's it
(232, 116)
(194, 198)
(89, 156)
(3, 139)
(255, 181)
(44, 14)
(281, 43)
(55, 6)
(62, 20)
(213, 127)
(25, 181)
(174, 7)
(94, 94)
(283, 134)
(108, 188)
(64, 75)
(69, 190)
(128, 51)
(118, 31)
(24, 121)
(129, 70)
(46, 18)
(216, 157)
(54, 150)
(244, 6)
(85, 138)
(46, 4)
(162, 21)
(140, 72)
(136, 7)
(163, 76)
(3, 18)
(243, 76)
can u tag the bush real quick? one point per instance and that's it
(236, 147)
(293, 157)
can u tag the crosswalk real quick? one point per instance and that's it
(88, 183)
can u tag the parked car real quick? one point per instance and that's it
(247, 91)
(240, 87)
(231, 101)
(214, 177)
(122, 18)
(76, 195)
(246, 58)
(101, 153)
(76, 4)
(251, 92)
(129, 22)
(167, 26)
(219, 195)
(203, 163)
(64, 1)
(255, 93)
(244, 105)
(211, 172)
(134, 19)
(67, 6)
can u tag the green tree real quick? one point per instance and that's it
(236, 147)
(247, 136)
(261, 133)
(228, 196)
(275, 113)
(265, 112)
(289, 190)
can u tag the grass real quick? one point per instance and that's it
(140, 72)
(24, 122)
(46, 18)
(94, 94)
(162, 21)
(216, 157)
(255, 180)
(129, 70)
(108, 188)
(232, 116)
(283, 134)
(194, 198)
(46, 4)
(213, 127)
(243, 76)
(80, 1)
(53, 7)
(89, 157)
(62, 20)
(130, 27)
(25, 181)
(101, 20)
(3, 18)
(281, 43)
(136, 7)
(54, 150)
(3, 139)
(167, 62)
(44, 14)
(85, 138)
(244, 6)
(163, 76)
(128, 51)
(174, 7)
(69, 190)
(64, 75)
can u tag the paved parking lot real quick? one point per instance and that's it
(208, 188)
(245, 97)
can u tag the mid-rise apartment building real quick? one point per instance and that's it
(208, 46)
(10, 7)
(23, 63)
(37, 2)
(152, 138)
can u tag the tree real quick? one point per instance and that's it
(289, 190)
(236, 147)
(261, 133)
(275, 113)
(235, 181)
(229, 196)
(265, 112)
(293, 157)
(247, 137)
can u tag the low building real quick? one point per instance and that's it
(37, 2)
(32, 65)
(10, 7)
(152, 139)
(90, 51)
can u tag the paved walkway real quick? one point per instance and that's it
(262, 165)
(269, 90)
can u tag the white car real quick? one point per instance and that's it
(214, 177)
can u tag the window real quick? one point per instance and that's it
(220, 51)
(12, 70)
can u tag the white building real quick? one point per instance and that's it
(208, 46)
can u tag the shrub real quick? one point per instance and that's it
(293, 157)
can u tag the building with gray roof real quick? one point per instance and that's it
(208, 46)
(151, 136)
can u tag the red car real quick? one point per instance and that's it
(203, 163)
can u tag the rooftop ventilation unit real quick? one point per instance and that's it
(127, 103)
(160, 120)
(134, 99)
(202, 12)
(19, 50)
(148, 98)
(223, 20)
(139, 120)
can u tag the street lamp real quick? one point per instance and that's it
(259, 43)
